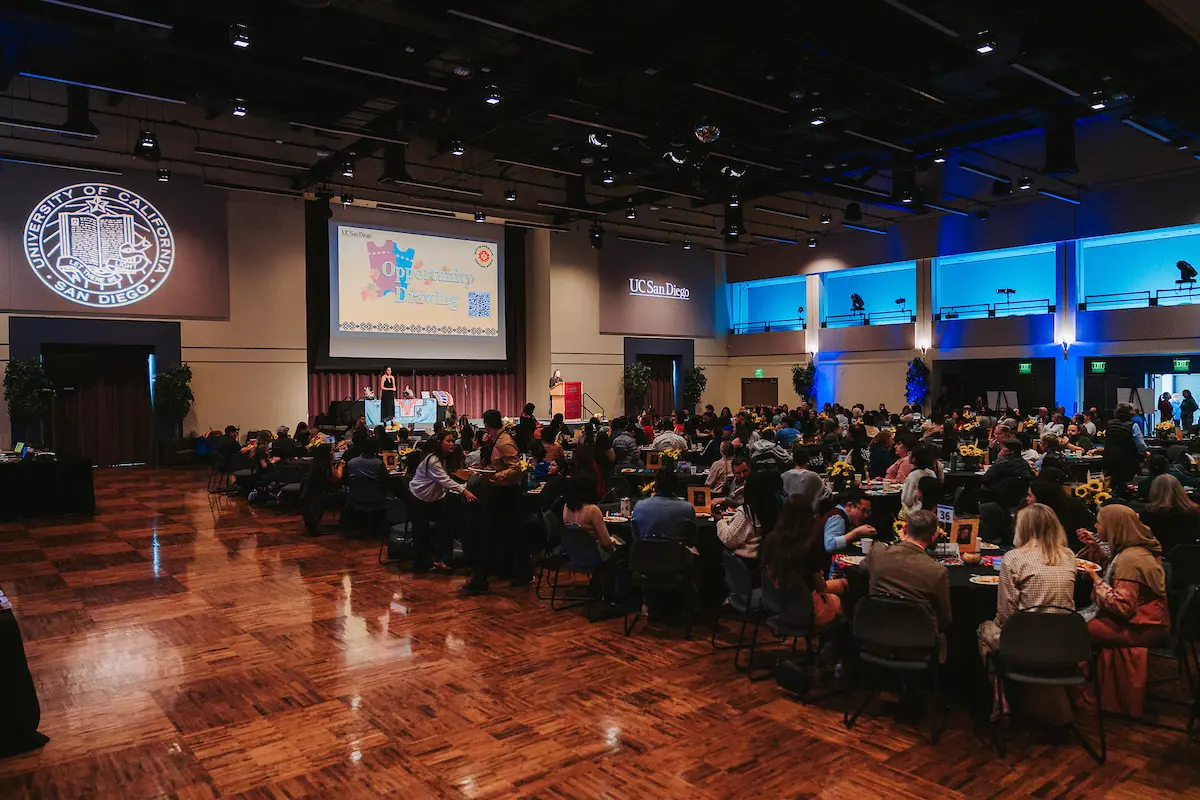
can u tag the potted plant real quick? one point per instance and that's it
(636, 380)
(173, 400)
(916, 383)
(694, 384)
(804, 381)
(24, 384)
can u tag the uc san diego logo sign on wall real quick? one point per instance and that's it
(99, 245)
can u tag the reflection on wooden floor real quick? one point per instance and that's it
(187, 648)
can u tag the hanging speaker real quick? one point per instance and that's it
(1060, 144)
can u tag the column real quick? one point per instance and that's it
(1068, 370)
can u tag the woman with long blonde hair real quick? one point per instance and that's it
(1129, 603)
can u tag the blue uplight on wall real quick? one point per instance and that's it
(969, 286)
(1129, 269)
(879, 287)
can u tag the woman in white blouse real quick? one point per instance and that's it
(431, 485)
(910, 498)
(755, 518)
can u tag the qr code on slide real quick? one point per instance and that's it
(479, 304)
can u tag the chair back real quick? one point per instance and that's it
(793, 606)
(554, 526)
(1185, 566)
(894, 626)
(579, 546)
(1187, 617)
(290, 472)
(738, 579)
(1045, 638)
(217, 461)
(397, 510)
(658, 563)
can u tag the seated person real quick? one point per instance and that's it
(366, 479)
(1027, 452)
(1051, 453)
(1078, 440)
(906, 570)
(1171, 515)
(1156, 465)
(766, 454)
(721, 470)
(922, 458)
(383, 440)
(361, 422)
(1007, 479)
(543, 465)
(802, 482)
(739, 470)
(787, 434)
(668, 439)
(665, 514)
(844, 524)
(283, 446)
(744, 531)
(227, 445)
(581, 509)
(898, 471)
(303, 434)
(791, 554)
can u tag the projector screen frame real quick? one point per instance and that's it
(318, 216)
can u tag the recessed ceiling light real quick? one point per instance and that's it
(480, 216)
(985, 44)
(1025, 183)
(607, 177)
(818, 117)
(239, 107)
(812, 241)
(906, 196)
(687, 244)
(631, 213)
(1098, 101)
(493, 96)
(511, 195)
(462, 71)
(827, 218)
(457, 149)
(734, 202)
(347, 169)
(347, 199)
(147, 141)
(239, 35)
(939, 156)
(164, 175)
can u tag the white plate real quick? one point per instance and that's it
(985, 580)
(988, 545)
(611, 518)
(853, 560)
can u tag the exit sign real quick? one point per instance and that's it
(758, 373)
(1099, 366)
(1182, 364)
(1025, 367)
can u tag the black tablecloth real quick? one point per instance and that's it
(31, 488)
(22, 714)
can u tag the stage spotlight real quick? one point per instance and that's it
(812, 242)
(239, 35)
(480, 216)
(596, 236)
(511, 195)
(817, 118)
(164, 175)
(853, 213)
(1025, 184)
(734, 202)
(1187, 273)
(607, 177)
(347, 199)
(347, 169)
(856, 303)
(631, 213)
(493, 96)
(687, 244)
(457, 149)
(239, 107)
(939, 156)
(901, 302)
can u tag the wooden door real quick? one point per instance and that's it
(760, 392)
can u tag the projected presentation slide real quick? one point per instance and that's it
(398, 294)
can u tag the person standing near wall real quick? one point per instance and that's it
(502, 532)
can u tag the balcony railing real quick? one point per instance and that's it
(1017, 308)
(873, 318)
(768, 326)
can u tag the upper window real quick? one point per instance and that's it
(1137, 270)
(776, 304)
(999, 283)
(881, 295)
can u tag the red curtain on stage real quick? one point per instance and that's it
(661, 396)
(473, 394)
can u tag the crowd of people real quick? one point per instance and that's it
(767, 466)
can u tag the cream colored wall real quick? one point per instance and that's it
(252, 371)
(872, 379)
(576, 345)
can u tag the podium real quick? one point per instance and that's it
(558, 400)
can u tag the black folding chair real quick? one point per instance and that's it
(552, 558)
(399, 526)
(218, 474)
(582, 558)
(1185, 567)
(1185, 630)
(1044, 646)
(743, 602)
(659, 566)
(285, 491)
(896, 635)
(789, 615)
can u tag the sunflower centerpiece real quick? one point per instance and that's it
(1165, 430)
(971, 455)
(1095, 493)
(840, 473)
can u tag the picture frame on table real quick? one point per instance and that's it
(390, 460)
(653, 460)
(964, 532)
(701, 499)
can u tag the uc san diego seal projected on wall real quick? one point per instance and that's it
(99, 245)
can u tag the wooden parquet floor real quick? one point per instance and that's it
(190, 647)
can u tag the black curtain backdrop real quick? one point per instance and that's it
(101, 408)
